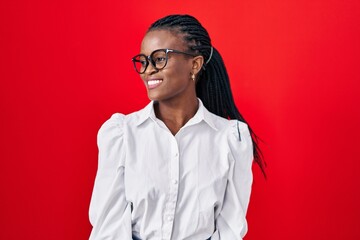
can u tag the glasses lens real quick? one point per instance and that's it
(159, 59)
(140, 63)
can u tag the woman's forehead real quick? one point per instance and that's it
(158, 39)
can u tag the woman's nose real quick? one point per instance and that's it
(150, 69)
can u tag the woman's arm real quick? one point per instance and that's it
(110, 214)
(231, 222)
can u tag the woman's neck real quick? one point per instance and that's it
(176, 113)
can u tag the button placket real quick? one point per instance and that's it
(170, 206)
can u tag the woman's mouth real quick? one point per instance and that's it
(153, 83)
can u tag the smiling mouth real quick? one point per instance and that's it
(153, 83)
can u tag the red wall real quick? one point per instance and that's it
(294, 66)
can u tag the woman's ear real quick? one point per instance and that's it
(198, 62)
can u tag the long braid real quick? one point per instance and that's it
(213, 85)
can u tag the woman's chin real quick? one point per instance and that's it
(153, 97)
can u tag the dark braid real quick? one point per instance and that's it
(213, 85)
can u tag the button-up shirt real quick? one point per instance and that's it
(153, 185)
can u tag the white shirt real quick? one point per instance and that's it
(157, 186)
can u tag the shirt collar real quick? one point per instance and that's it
(202, 114)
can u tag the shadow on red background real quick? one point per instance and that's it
(294, 67)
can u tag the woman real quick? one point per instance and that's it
(179, 168)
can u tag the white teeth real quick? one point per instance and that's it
(153, 82)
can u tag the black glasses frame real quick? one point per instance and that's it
(153, 62)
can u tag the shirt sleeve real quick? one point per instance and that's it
(231, 222)
(109, 213)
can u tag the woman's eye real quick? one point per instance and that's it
(160, 59)
(143, 63)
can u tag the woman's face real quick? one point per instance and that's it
(174, 81)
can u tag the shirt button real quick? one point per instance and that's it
(174, 181)
(169, 218)
(176, 154)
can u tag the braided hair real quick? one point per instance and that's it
(213, 85)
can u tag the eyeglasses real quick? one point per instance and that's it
(157, 58)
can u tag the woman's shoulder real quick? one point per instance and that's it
(228, 125)
(111, 129)
(115, 121)
(118, 120)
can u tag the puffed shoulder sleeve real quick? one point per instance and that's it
(231, 222)
(109, 213)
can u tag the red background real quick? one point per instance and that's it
(294, 67)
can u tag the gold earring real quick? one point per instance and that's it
(193, 77)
